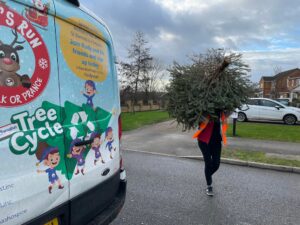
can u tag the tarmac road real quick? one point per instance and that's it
(171, 191)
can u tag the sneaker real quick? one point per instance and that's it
(209, 191)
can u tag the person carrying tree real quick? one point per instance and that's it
(201, 95)
(211, 133)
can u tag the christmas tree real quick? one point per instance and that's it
(213, 82)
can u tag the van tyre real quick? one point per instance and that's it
(242, 117)
(290, 119)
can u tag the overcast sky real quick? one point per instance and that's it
(267, 32)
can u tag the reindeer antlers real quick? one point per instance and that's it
(15, 41)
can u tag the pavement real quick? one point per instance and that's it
(169, 139)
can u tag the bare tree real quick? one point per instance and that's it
(153, 80)
(140, 62)
(277, 70)
(274, 92)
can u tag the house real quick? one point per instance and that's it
(283, 85)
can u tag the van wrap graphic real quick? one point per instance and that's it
(53, 100)
(19, 89)
(85, 53)
(38, 15)
(48, 125)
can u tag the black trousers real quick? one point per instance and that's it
(211, 153)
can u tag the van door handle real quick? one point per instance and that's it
(105, 172)
(81, 143)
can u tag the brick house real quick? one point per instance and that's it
(282, 85)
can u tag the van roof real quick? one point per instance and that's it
(98, 19)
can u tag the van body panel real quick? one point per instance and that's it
(37, 10)
(59, 106)
(30, 117)
(89, 97)
(70, 13)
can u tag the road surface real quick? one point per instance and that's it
(171, 191)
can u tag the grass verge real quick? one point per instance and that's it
(260, 157)
(264, 131)
(132, 121)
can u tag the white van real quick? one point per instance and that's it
(60, 116)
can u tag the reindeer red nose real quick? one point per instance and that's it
(7, 61)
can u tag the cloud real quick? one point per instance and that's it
(264, 62)
(183, 6)
(167, 36)
(267, 32)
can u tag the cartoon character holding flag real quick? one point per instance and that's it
(96, 144)
(110, 139)
(76, 152)
(51, 158)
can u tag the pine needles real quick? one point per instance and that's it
(214, 81)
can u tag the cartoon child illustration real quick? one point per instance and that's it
(110, 139)
(76, 152)
(96, 144)
(51, 158)
(90, 91)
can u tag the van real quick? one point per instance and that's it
(60, 126)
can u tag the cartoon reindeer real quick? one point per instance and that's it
(10, 64)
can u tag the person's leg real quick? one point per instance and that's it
(207, 160)
(215, 148)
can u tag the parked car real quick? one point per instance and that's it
(60, 127)
(268, 109)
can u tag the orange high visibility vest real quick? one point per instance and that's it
(224, 127)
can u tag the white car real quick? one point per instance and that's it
(268, 109)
